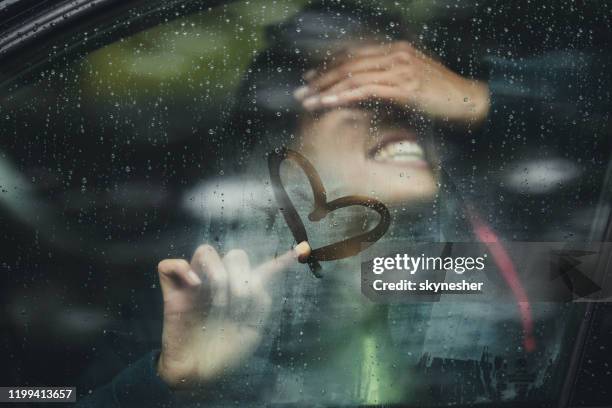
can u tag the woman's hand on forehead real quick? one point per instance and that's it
(399, 74)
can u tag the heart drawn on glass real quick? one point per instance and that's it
(321, 208)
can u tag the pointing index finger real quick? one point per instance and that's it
(299, 253)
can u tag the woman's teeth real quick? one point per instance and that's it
(402, 151)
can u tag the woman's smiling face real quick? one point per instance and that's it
(372, 152)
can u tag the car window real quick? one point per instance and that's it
(436, 122)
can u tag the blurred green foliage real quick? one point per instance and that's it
(205, 52)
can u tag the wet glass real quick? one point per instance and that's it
(159, 141)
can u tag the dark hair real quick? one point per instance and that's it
(265, 112)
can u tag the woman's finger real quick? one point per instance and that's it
(400, 77)
(250, 301)
(238, 268)
(208, 263)
(382, 49)
(299, 253)
(358, 95)
(356, 52)
(327, 79)
(176, 274)
(178, 282)
(237, 261)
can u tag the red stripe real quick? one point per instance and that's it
(487, 236)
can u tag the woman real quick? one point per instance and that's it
(349, 89)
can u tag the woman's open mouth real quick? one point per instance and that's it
(398, 148)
